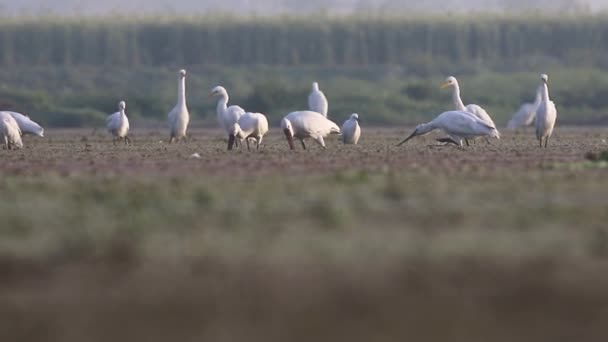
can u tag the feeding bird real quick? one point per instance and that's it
(227, 117)
(458, 125)
(10, 132)
(252, 126)
(27, 125)
(307, 124)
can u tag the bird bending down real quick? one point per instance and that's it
(526, 114)
(546, 114)
(473, 109)
(351, 131)
(27, 125)
(317, 102)
(458, 125)
(251, 126)
(227, 116)
(10, 132)
(179, 116)
(118, 124)
(307, 124)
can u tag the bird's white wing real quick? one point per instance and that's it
(348, 129)
(317, 102)
(481, 113)
(462, 124)
(26, 125)
(113, 121)
(523, 117)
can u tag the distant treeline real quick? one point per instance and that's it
(305, 41)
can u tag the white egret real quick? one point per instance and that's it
(317, 102)
(118, 124)
(307, 124)
(351, 131)
(474, 109)
(179, 116)
(458, 125)
(227, 117)
(27, 125)
(10, 132)
(525, 115)
(252, 126)
(546, 114)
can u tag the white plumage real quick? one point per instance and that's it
(179, 117)
(227, 117)
(118, 124)
(317, 102)
(252, 126)
(526, 114)
(351, 131)
(546, 114)
(458, 125)
(10, 132)
(27, 125)
(474, 109)
(307, 124)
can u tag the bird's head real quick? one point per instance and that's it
(355, 117)
(182, 73)
(288, 131)
(544, 78)
(122, 105)
(217, 91)
(449, 82)
(421, 129)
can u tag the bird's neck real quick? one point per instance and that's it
(545, 92)
(426, 128)
(123, 115)
(456, 98)
(222, 104)
(181, 92)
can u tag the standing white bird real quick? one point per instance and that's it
(118, 124)
(252, 126)
(458, 125)
(227, 117)
(317, 102)
(307, 124)
(351, 131)
(27, 125)
(474, 109)
(526, 114)
(546, 114)
(10, 132)
(179, 116)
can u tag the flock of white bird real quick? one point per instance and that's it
(464, 123)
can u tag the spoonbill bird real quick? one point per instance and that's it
(458, 125)
(10, 132)
(546, 114)
(118, 124)
(307, 124)
(351, 131)
(474, 109)
(27, 125)
(179, 116)
(317, 102)
(526, 114)
(227, 117)
(252, 126)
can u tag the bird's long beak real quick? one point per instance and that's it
(289, 139)
(444, 85)
(408, 138)
(231, 140)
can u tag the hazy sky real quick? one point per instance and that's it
(94, 7)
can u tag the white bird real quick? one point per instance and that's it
(351, 131)
(525, 115)
(227, 117)
(27, 125)
(179, 116)
(307, 124)
(10, 132)
(118, 124)
(252, 126)
(458, 125)
(474, 109)
(546, 114)
(317, 102)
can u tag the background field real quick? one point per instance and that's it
(500, 242)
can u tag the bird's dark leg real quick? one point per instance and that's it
(541, 142)
(488, 141)
(467, 141)
(448, 141)
(248, 149)
(302, 141)
(546, 141)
